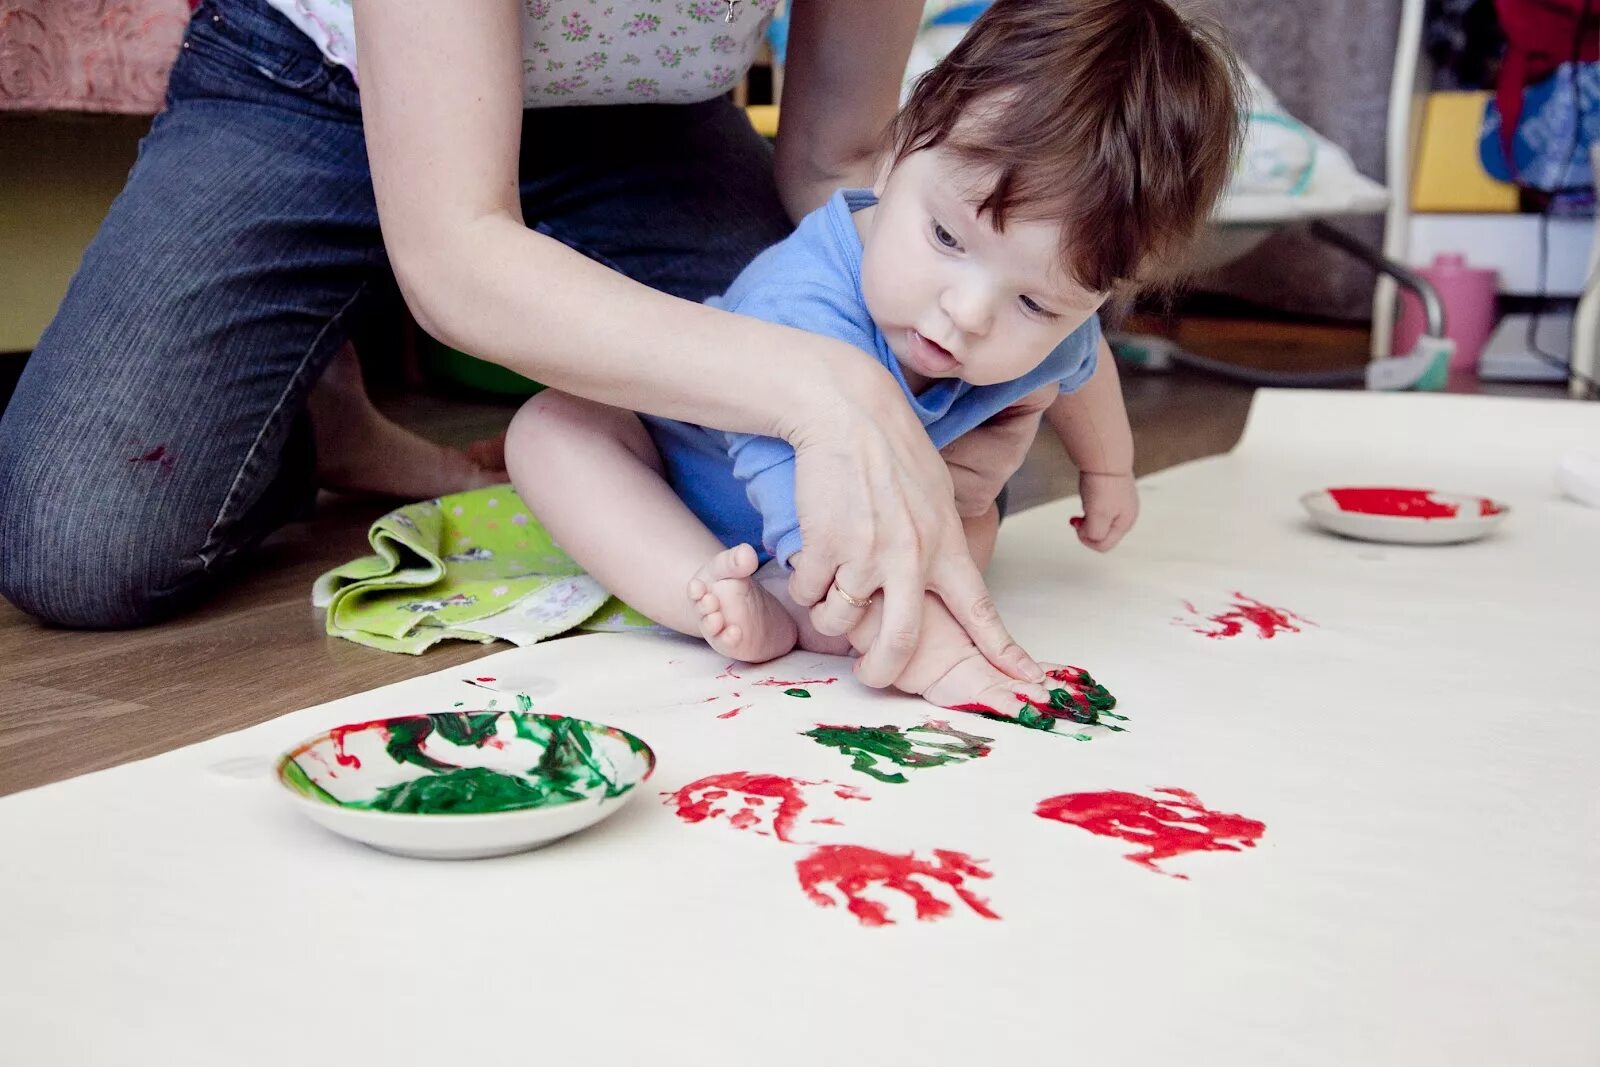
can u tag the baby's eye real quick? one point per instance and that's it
(944, 236)
(1033, 307)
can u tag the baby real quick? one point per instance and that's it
(1062, 153)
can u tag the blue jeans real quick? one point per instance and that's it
(159, 431)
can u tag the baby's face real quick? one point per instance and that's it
(953, 297)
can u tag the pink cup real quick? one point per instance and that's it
(1468, 295)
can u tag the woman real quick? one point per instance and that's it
(161, 428)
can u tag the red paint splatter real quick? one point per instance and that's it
(852, 868)
(735, 711)
(159, 456)
(1245, 611)
(796, 682)
(727, 672)
(1163, 828)
(697, 801)
(981, 709)
(483, 678)
(1487, 507)
(828, 822)
(338, 734)
(1405, 503)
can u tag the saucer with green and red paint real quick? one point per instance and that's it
(464, 785)
(1404, 516)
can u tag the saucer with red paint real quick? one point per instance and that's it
(464, 784)
(1404, 516)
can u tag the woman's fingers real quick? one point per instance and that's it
(841, 609)
(812, 575)
(960, 585)
(899, 628)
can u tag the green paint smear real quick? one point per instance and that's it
(569, 760)
(467, 729)
(796, 693)
(296, 776)
(869, 744)
(569, 768)
(524, 702)
(467, 791)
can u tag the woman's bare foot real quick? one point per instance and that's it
(738, 618)
(361, 451)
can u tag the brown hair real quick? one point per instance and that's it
(1118, 118)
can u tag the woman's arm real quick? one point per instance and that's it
(442, 103)
(441, 97)
(841, 88)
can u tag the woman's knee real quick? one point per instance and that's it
(82, 554)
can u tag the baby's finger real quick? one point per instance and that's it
(1096, 525)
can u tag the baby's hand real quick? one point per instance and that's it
(1110, 506)
(947, 669)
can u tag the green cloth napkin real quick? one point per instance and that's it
(474, 566)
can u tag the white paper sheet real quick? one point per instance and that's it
(1426, 760)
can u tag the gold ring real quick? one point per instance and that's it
(853, 601)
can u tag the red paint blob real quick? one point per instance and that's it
(1406, 503)
(159, 456)
(1487, 507)
(735, 711)
(981, 709)
(338, 734)
(1267, 620)
(796, 682)
(851, 869)
(483, 678)
(697, 801)
(1163, 828)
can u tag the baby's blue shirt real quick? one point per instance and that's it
(742, 485)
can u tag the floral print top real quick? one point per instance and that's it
(598, 51)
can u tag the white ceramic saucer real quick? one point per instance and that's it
(1404, 516)
(464, 785)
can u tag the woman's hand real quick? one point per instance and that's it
(877, 517)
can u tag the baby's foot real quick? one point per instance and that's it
(738, 618)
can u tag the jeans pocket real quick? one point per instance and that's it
(247, 37)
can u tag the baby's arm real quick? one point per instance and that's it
(1093, 425)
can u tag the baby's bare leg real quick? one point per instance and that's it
(592, 475)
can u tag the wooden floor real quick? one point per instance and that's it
(74, 702)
